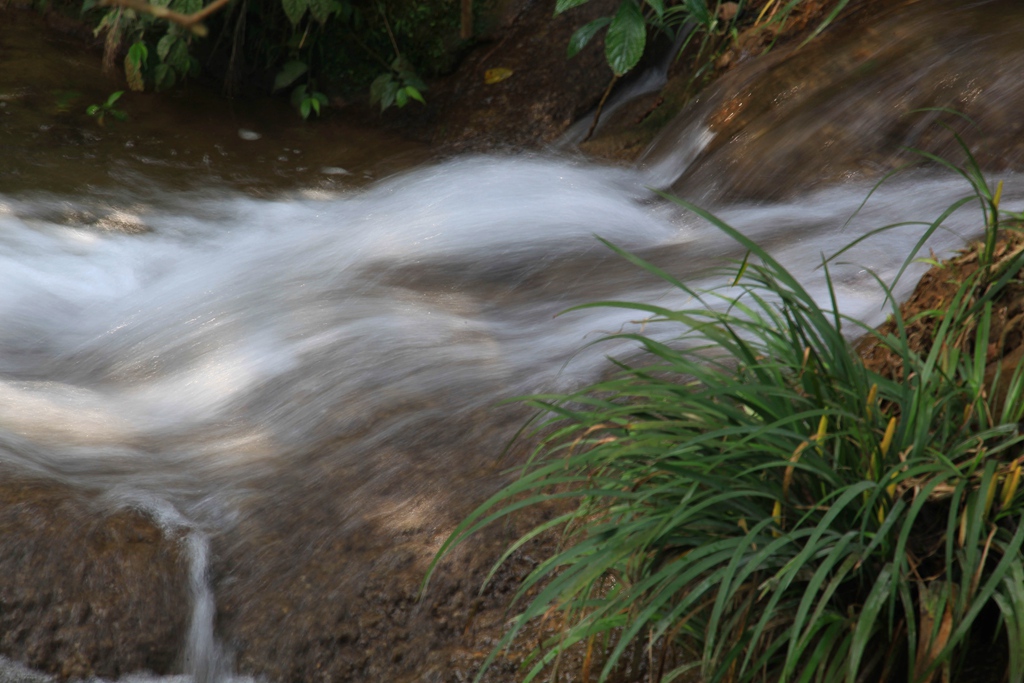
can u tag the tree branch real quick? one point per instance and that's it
(192, 22)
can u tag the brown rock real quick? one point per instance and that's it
(85, 592)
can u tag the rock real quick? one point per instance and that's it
(84, 592)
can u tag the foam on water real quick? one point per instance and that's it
(259, 322)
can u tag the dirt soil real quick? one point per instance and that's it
(940, 288)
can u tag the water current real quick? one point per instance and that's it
(167, 366)
(171, 345)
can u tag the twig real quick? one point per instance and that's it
(600, 106)
(391, 35)
(466, 29)
(192, 22)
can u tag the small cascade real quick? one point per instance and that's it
(205, 660)
(637, 84)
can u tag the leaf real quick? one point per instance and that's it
(377, 87)
(388, 96)
(627, 35)
(700, 13)
(114, 97)
(563, 5)
(866, 620)
(92, 110)
(414, 94)
(289, 73)
(187, 6)
(163, 77)
(179, 57)
(383, 90)
(584, 34)
(304, 108)
(138, 53)
(401, 98)
(315, 101)
(322, 9)
(497, 75)
(658, 6)
(133, 62)
(163, 48)
(294, 10)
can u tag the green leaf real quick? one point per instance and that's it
(165, 45)
(584, 34)
(179, 57)
(315, 101)
(294, 10)
(658, 6)
(138, 53)
(378, 86)
(289, 73)
(304, 108)
(699, 12)
(563, 5)
(92, 109)
(187, 6)
(322, 9)
(133, 63)
(387, 97)
(114, 97)
(163, 77)
(414, 93)
(627, 35)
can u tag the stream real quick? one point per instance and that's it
(285, 344)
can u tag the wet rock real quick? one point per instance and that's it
(85, 592)
(325, 585)
(852, 102)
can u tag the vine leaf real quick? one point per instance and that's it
(134, 62)
(627, 34)
(563, 5)
(322, 9)
(295, 9)
(289, 73)
(584, 33)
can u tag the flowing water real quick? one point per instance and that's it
(221, 335)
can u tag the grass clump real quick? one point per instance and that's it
(757, 504)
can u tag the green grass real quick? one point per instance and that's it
(752, 503)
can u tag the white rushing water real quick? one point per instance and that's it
(235, 328)
(166, 366)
